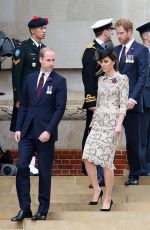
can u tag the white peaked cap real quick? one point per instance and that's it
(102, 23)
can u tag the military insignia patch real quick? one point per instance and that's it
(16, 61)
(33, 64)
(17, 52)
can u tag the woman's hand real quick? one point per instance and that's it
(117, 133)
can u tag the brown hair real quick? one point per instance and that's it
(125, 23)
(113, 57)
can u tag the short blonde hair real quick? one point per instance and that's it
(44, 50)
(125, 23)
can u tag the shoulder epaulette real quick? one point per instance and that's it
(91, 45)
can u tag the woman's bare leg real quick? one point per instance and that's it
(92, 173)
(109, 179)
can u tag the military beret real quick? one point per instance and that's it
(144, 28)
(37, 22)
(102, 25)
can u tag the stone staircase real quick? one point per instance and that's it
(70, 210)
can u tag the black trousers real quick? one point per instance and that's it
(132, 130)
(45, 152)
(145, 141)
(89, 115)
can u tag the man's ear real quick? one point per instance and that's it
(32, 30)
(40, 60)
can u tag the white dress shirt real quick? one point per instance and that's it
(45, 77)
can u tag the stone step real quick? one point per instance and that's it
(99, 216)
(11, 199)
(70, 187)
(88, 225)
(82, 189)
(7, 212)
(85, 220)
(76, 180)
(7, 224)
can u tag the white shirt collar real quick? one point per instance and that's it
(45, 76)
(36, 43)
(128, 45)
(100, 42)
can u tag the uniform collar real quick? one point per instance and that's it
(35, 42)
(99, 41)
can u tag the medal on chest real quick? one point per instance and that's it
(49, 89)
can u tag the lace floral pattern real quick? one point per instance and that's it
(112, 99)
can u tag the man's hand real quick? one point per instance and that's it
(131, 104)
(45, 136)
(17, 104)
(17, 136)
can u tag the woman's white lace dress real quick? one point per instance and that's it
(112, 99)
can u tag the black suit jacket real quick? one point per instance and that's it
(45, 111)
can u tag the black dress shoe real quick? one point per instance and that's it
(96, 202)
(145, 174)
(107, 209)
(131, 182)
(39, 216)
(21, 215)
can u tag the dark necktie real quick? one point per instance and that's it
(39, 48)
(122, 57)
(40, 85)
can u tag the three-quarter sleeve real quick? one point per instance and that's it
(124, 93)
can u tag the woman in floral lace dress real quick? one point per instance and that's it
(106, 125)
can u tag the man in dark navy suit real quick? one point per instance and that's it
(133, 61)
(144, 31)
(90, 73)
(25, 61)
(41, 109)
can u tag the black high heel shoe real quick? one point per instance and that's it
(96, 202)
(107, 209)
